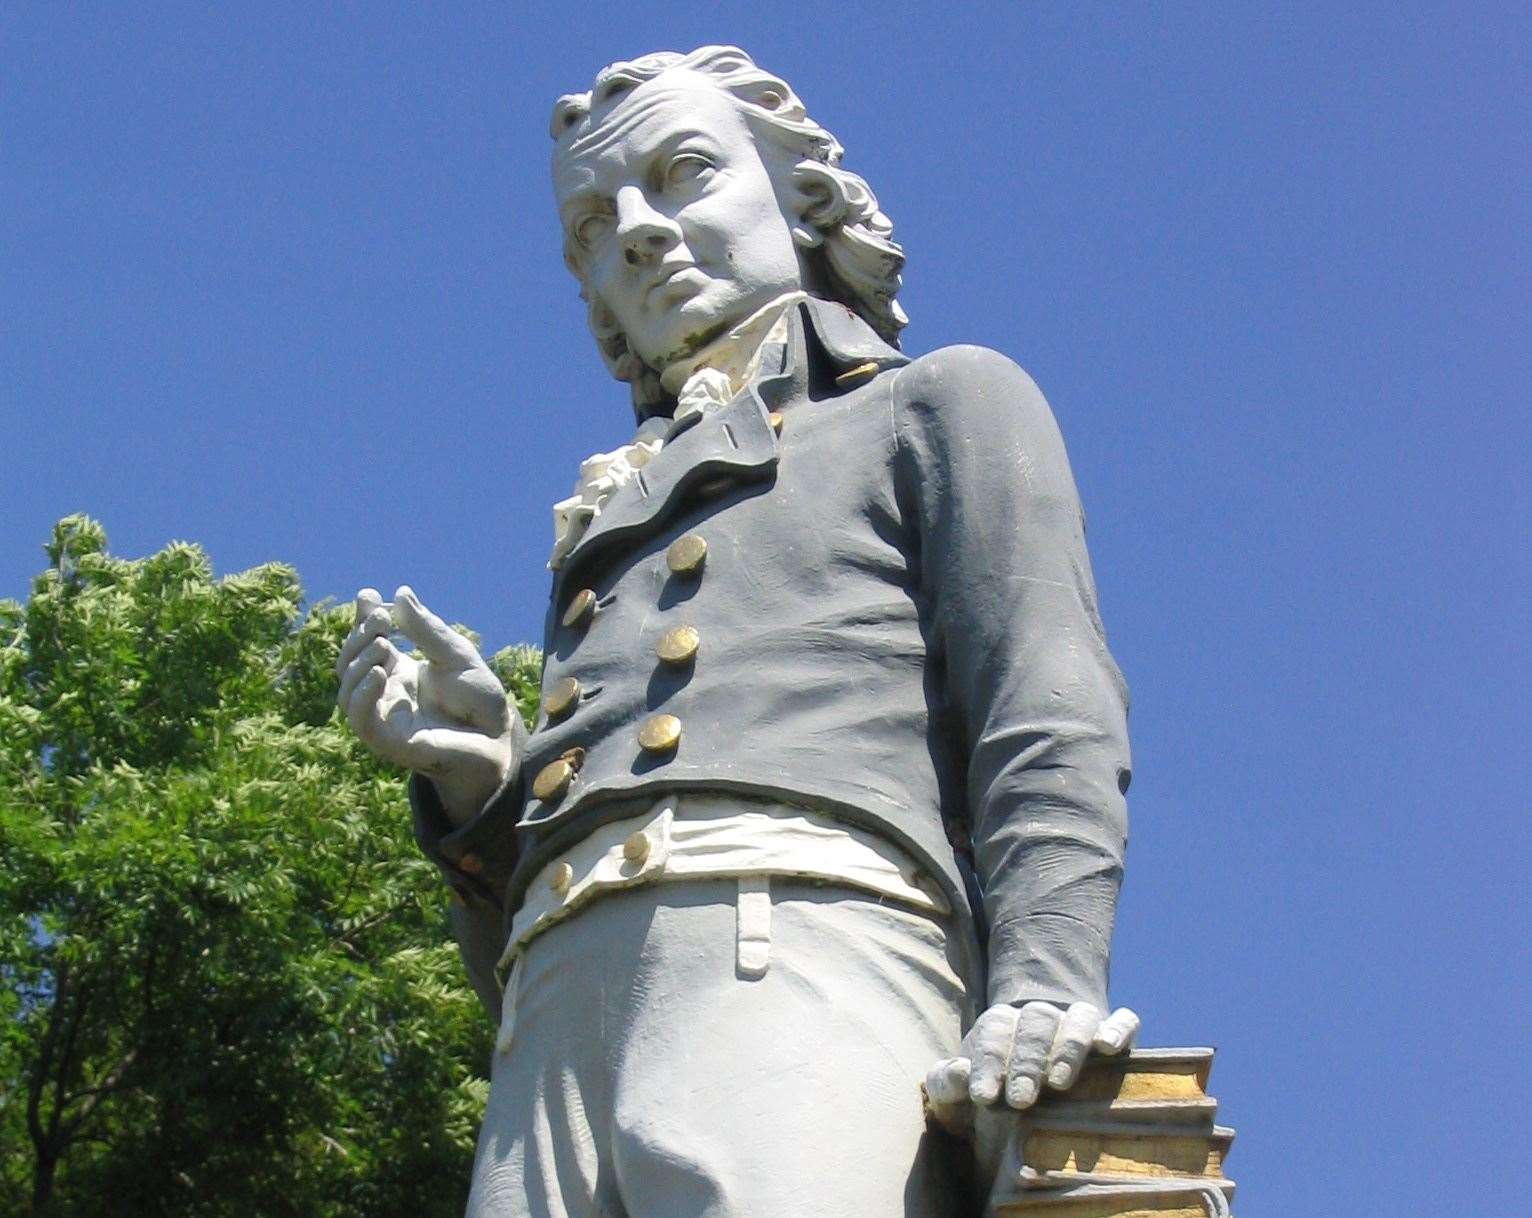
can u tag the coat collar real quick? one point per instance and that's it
(736, 443)
(843, 340)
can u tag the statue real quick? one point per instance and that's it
(825, 801)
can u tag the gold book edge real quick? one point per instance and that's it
(1067, 1111)
(1175, 1205)
(1129, 1153)
(1147, 1074)
(1109, 1207)
(1092, 1198)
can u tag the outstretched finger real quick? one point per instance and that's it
(379, 653)
(437, 641)
(1035, 1030)
(1072, 1043)
(1117, 1032)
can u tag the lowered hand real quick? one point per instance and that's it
(1011, 1053)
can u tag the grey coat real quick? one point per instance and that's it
(897, 625)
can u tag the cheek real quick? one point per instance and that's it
(741, 228)
(607, 278)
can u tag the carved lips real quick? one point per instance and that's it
(666, 273)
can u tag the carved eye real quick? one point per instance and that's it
(687, 168)
(591, 230)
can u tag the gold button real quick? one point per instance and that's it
(775, 419)
(636, 848)
(581, 606)
(686, 554)
(561, 877)
(470, 864)
(553, 780)
(852, 375)
(659, 733)
(560, 699)
(678, 646)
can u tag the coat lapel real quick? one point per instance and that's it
(735, 443)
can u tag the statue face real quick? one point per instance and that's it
(674, 218)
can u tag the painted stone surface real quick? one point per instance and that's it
(824, 807)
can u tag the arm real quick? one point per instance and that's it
(443, 714)
(476, 859)
(1035, 706)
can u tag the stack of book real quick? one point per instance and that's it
(1134, 1138)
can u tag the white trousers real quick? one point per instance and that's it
(647, 1074)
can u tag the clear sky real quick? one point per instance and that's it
(284, 280)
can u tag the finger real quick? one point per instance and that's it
(1117, 1032)
(380, 653)
(1035, 1029)
(367, 600)
(437, 641)
(439, 751)
(362, 711)
(947, 1082)
(377, 624)
(1076, 1031)
(989, 1046)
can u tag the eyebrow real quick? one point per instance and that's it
(582, 197)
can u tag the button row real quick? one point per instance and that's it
(658, 734)
(635, 850)
(685, 556)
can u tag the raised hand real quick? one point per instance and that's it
(1011, 1053)
(438, 710)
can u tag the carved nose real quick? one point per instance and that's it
(645, 242)
(645, 233)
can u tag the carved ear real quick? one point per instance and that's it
(568, 112)
(820, 203)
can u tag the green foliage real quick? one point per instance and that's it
(520, 669)
(227, 986)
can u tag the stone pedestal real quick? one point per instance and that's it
(1134, 1138)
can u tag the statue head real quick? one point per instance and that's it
(692, 191)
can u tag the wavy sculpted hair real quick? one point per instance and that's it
(845, 242)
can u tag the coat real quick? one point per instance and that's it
(893, 621)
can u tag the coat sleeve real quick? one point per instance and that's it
(1025, 692)
(476, 859)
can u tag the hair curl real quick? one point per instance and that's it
(846, 243)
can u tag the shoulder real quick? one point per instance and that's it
(962, 369)
(971, 388)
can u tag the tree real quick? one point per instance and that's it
(225, 970)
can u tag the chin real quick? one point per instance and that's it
(698, 320)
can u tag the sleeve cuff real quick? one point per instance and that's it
(476, 858)
(1049, 958)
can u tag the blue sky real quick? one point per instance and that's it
(285, 281)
